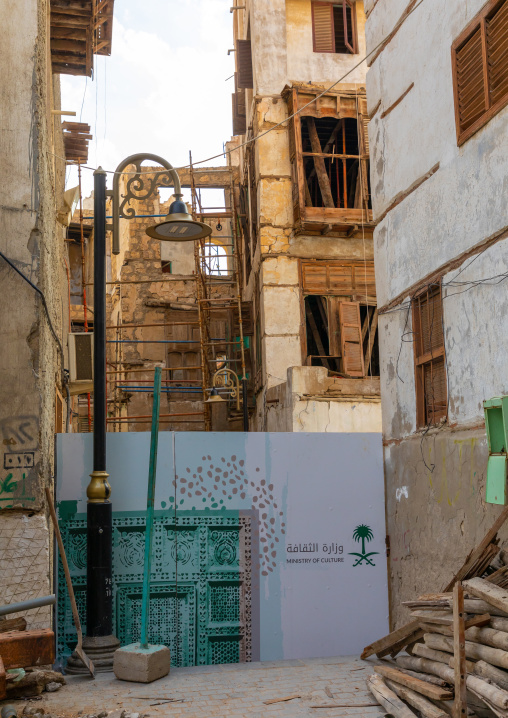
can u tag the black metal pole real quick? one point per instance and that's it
(245, 405)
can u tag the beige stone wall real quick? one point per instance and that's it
(32, 180)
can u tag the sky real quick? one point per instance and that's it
(163, 90)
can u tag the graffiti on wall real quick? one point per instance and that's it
(19, 437)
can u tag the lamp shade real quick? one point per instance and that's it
(179, 226)
(215, 397)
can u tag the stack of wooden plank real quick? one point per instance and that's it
(76, 137)
(456, 644)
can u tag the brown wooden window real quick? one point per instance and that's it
(334, 27)
(430, 364)
(341, 317)
(480, 69)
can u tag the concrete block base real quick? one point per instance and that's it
(141, 665)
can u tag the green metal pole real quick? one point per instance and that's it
(145, 609)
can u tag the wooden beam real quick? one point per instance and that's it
(489, 592)
(372, 337)
(426, 689)
(385, 644)
(319, 164)
(315, 333)
(19, 649)
(459, 652)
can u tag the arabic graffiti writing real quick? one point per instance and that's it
(363, 533)
(8, 485)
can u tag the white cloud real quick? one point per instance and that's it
(163, 89)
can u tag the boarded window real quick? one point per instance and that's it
(244, 64)
(334, 27)
(352, 279)
(430, 366)
(480, 69)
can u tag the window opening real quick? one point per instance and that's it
(431, 385)
(331, 157)
(216, 259)
(341, 335)
(334, 27)
(166, 266)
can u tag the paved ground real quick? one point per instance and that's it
(229, 691)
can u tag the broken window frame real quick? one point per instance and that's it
(479, 24)
(346, 104)
(333, 287)
(351, 44)
(427, 358)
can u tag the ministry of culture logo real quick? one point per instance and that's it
(363, 533)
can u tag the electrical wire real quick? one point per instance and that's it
(43, 298)
(283, 122)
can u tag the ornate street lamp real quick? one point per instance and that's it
(226, 379)
(99, 642)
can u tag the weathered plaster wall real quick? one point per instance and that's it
(435, 479)
(30, 368)
(448, 212)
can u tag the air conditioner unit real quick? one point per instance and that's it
(81, 358)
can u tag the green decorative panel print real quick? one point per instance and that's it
(201, 584)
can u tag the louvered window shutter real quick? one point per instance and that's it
(351, 339)
(244, 64)
(497, 49)
(480, 58)
(470, 81)
(322, 27)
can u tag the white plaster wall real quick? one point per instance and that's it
(476, 343)
(464, 201)
(303, 64)
(337, 416)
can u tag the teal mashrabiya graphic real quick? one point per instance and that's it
(363, 533)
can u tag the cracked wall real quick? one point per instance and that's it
(442, 215)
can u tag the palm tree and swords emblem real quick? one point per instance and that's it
(363, 533)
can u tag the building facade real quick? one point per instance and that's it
(437, 133)
(42, 40)
(300, 125)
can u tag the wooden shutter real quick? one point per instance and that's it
(435, 390)
(322, 27)
(351, 339)
(497, 50)
(348, 14)
(244, 64)
(470, 80)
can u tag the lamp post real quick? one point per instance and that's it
(100, 642)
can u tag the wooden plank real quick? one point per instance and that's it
(489, 592)
(426, 708)
(422, 687)
(444, 618)
(387, 698)
(13, 624)
(19, 649)
(319, 165)
(387, 642)
(480, 620)
(459, 652)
